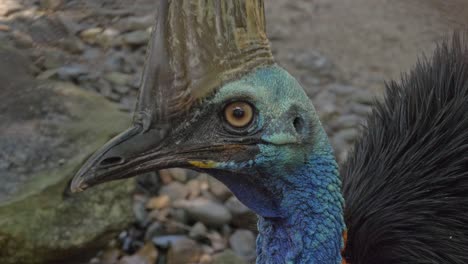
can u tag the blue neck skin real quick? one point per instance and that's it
(312, 227)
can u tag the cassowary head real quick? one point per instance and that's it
(213, 100)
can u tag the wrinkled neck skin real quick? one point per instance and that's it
(311, 230)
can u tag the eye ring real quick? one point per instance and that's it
(238, 114)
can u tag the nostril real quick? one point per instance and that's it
(111, 161)
(298, 125)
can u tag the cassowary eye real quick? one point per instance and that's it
(238, 114)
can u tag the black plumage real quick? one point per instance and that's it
(406, 182)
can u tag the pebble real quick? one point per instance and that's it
(90, 35)
(311, 61)
(148, 254)
(198, 231)
(175, 191)
(136, 23)
(179, 175)
(7, 7)
(109, 37)
(242, 216)
(159, 202)
(218, 189)
(136, 38)
(227, 257)
(207, 212)
(51, 4)
(121, 89)
(183, 250)
(72, 45)
(110, 256)
(242, 243)
(118, 78)
(194, 187)
(155, 229)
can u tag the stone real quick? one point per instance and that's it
(363, 97)
(175, 191)
(7, 7)
(22, 40)
(155, 229)
(219, 189)
(90, 35)
(198, 231)
(109, 256)
(46, 133)
(139, 209)
(311, 61)
(121, 89)
(194, 188)
(148, 254)
(179, 174)
(206, 259)
(51, 4)
(227, 257)
(159, 202)
(242, 243)
(136, 23)
(242, 216)
(218, 242)
(206, 211)
(109, 37)
(184, 250)
(181, 245)
(136, 38)
(118, 78)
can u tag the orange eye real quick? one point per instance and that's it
(238, 114)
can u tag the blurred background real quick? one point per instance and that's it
(69, 75)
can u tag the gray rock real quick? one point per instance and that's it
(118, 78)
(208, 212)
(72, 45)
(8, 7)
(362, 110)
(227, 257)
(156, 229)
(90, 35)
(311, 61)
(175, 191)
(179, 175)
(219, 190)
(136, 23)
(242, 216)
(51, 4)
(45, 134)
(136, 38)
(194, 187)
(242, 243)
(198, 231)
(121, 89)
(363, 97)
(347, 121)
(109, 37)
(181, 249)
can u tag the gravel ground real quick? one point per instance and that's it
(341, 51)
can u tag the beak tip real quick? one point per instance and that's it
(77, 185)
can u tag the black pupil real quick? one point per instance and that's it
(238, 112)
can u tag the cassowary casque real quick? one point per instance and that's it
(212, 99)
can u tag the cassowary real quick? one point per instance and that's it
(213, 99)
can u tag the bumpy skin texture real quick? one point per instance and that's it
(406, 184)
(293, 182)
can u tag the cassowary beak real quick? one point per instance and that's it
(134, 152)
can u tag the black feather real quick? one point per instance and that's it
(406, 184)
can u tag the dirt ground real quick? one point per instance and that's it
(368, 40)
